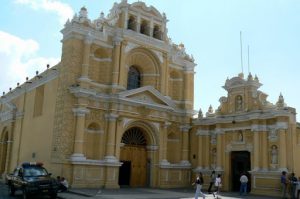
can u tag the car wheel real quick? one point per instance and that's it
(11, 190)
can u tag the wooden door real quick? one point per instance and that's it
(137, 155)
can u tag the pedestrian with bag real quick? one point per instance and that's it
(199, 182)
(218, 185)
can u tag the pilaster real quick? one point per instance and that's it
(163, 142)
(206, 152)
(185, 145)
(282, 150)
(200, 156)
(256, 150)
(86, 56)
(166, 78)
(123, 69)
(264, 150)
(116, 62)
(111, 135)
(79, 133)
(219, 151)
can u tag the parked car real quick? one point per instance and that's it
(32, 179)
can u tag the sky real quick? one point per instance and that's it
(30, 39)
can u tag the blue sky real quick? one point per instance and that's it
(210, 30)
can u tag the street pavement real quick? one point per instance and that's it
(147, 193)
(18, 195)
(128, 193)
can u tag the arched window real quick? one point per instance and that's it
(144, 28)
(157, 32)
(134, 137)
(134, 78)
(131, 23)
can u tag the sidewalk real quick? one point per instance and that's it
(147, 193)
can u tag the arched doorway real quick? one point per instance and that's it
(133, 155)
(3, 151)
(240, 163)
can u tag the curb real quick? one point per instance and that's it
(80, 193)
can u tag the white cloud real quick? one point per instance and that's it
(63, 10)
(18, 60)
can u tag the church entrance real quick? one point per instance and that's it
(133, 156)
(240, 163)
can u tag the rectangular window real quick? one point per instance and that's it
(38, 101)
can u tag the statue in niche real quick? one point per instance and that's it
(241, 137)
(239, 103)
(274, 154)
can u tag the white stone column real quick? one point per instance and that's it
(138, 24)
(151, 27)
(79, 133)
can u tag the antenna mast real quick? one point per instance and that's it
(248, 60)
(241, 52)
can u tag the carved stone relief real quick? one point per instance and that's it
(273, 137)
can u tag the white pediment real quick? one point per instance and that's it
(147, 95)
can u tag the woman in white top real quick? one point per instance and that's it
(218, 185)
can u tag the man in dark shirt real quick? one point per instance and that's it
(293, 181)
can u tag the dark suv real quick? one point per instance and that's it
(31, 179)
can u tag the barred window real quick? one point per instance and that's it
(134, 78)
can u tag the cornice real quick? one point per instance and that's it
(254, 115)
(80, 111)
(6, 116)
(254, 128)
(45, 77)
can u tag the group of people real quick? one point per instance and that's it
(290, 184)
(215, 180)
(63, 184)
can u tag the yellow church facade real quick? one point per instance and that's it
(118, 111)
(248, 134)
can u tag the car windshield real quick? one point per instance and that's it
(35, 171)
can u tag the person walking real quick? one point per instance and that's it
(243, 187)
(218, 185)
(283, 182)
(293, 184)
(212, 181)
(199, 182)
